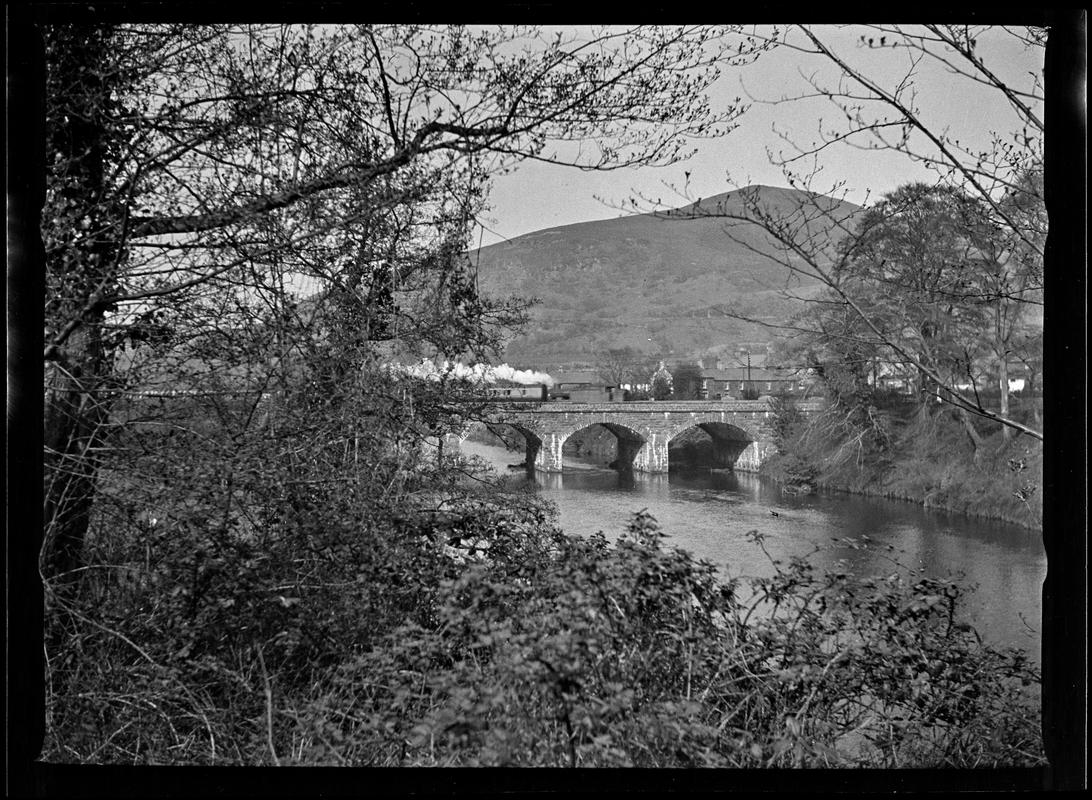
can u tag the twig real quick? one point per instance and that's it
(268, 709)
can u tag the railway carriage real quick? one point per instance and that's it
(530, 393)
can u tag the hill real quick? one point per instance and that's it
(656, 282)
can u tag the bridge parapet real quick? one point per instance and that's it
(638, 406)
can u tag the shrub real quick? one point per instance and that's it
(637, 655)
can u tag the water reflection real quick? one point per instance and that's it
(710, 513)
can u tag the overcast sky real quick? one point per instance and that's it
(537, 195)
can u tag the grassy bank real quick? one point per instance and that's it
(928, 459)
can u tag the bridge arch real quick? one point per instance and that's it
(750, 427)
(532, 443)
(532, 438)
(728, 441)
(627, 442)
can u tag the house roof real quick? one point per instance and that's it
(583, 377)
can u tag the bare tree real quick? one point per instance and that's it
(619, 365)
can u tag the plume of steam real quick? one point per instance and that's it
(525, 376)
(478, 373)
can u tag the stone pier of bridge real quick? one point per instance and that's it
(741, 430)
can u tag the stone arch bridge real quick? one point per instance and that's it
(741, 430)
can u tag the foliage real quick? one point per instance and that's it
(228, 570)
(661, 387)
(941, 281)
(926, 294)
(686, 382)
(787, 466)
(483, 636)
(842, 366)
(637, 655)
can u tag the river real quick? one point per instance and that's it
(709, 514)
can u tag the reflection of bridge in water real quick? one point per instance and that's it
(741, 430)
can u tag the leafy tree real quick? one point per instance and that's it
(930, 322)
(1010, 285)
(931, 274)
(661, 388)
(686, 381)
(911, 267)
(661, 383)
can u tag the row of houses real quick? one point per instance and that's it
(733, 381)
(730, 382)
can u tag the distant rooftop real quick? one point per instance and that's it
(755, 373)
(582, 376)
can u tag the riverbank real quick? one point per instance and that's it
(927, 460)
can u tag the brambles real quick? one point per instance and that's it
(637, 655)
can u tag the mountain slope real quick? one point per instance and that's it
(654, 282)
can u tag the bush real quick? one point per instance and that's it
(637, 655)
(238, 568)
